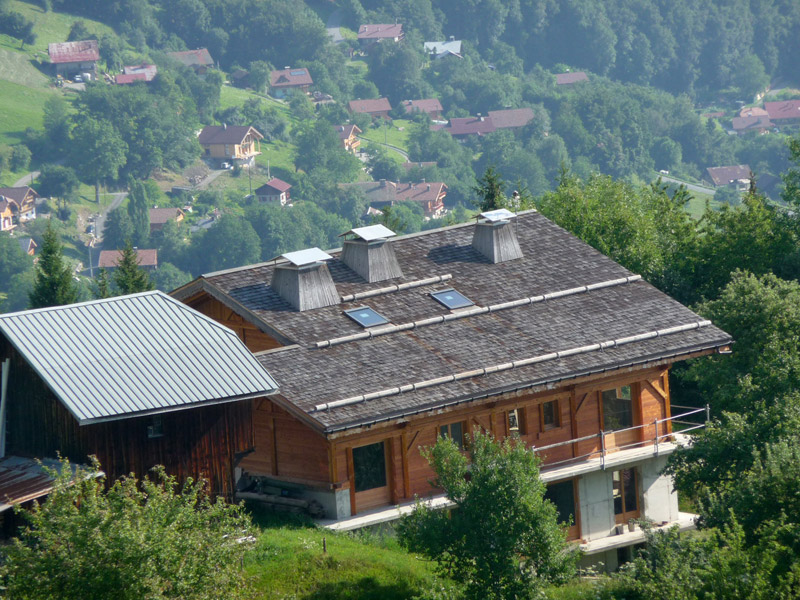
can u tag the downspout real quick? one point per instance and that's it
(3, 402)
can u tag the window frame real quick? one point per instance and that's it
(355, 453)
(519, 415)
(627, 513)
(618, 390)
(446, 431)
(556, 415)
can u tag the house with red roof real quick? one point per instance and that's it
(239, 144)
(132, 74)
(284, 80)
(371, 34)
(430, 106)
(70, 58)
(783, 113)
(147, 259)
(199, 59)
(379, 194)
(275, 190)
(374, 107)
(348, 135)
(464, 126)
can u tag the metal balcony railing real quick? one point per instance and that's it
(649, 429)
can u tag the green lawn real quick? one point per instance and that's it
(20, 107)
(390, 133)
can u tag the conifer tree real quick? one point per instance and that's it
(53, 285)
(129, 276)
(139, 212)
(490, 190)
(102, 285)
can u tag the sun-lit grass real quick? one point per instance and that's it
(394, 133)
(20, 107)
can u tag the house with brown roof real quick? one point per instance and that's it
(25, 197)
(508, 325)
(374, 107)
(198, 60)
(430, 196)
(375, 33)
(464, 126)
(430, 106)
(238, 144)
(160, 216)
(147, 259)
(418, 165)
(284, 80)
(132, 74)
(275, 190)
(70, 58)
(786, 112)
(511, 118)
(757, 123)
(348, 135)
(571, 78)
(736, 176)
(9, 213)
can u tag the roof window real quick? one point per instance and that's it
(366, 317)
(452, 299)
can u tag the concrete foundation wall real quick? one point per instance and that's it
(336, 502)
(596, 505)
(660, 500)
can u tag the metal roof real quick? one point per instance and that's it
(501, 214)
(306, 257)
(372, 232)
(25, 479)
(134, 355)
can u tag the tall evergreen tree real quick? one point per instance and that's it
(490, 190)
(129, 276)
(138, 211)
(117, 230)
(102, 285)
(53, 285)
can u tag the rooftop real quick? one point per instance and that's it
(109, 258)
(726, 175)
(380, 31)
(290, 78)
(70, 52)
(427, 105)
(788, 109)
(570, 78)
(227, 134)
(191, 58)
(17, 193)
(370, 105)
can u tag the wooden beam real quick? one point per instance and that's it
(392, 479)
(573, 419)
(274, 445)
(404, 458)
(667, 407)
(655, 389)
(351, 478)
(332, 462)
(636, 398)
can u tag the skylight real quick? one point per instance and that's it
(452, 299)
(298, 72)
(366, 317)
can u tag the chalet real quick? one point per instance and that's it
(751, 111)
(238, 144)
(285, 80)
(9, 214)
(132, 74)
(464, 126)
(737, 176)
(275, 190)
(430, 196)
(571, 78)
(348, 135)
(25, 197)
(70, 58)
(136, 380)
(511, 326)
(378, 107)
(198, 60)
(440, 50)
(368, 35)
(430, 106)
(147, 259)
(27, 245)
(159, 217)
(757, 123)
(783, 113)
(511, 118)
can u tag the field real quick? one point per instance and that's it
(394, 133)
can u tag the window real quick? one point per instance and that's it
(366, 317)
(549, 415)
(369, 467)
(452, 299)
(562, 494)
(455, 431)
(617, 408)
(156, 427)
(625, 494)
(515, 419)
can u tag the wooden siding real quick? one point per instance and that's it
(203, 441)
(255, 339)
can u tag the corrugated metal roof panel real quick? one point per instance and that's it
(136, 354)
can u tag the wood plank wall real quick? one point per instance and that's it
(255, 339)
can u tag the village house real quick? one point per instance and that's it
(508, 325)
(135, 380)
(429, 196)
(571, 78)
(377, 107)
(275, 190)
(237, 144)
(132, 74)
(27, 245)
(71, 58)
(430, 106)
(510, 118)
(348, 135)
(25, 197)
(368, 35)
(736, 176)
(287, 79)
(759, 123)
(783, 113)
(160, 216)
(147, 259)
(198, 60)
(9, 213)
(440, 50)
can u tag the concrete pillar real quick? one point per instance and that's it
(660, 500)
(597, 505)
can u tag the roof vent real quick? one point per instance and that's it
(370, 254)
(305, 282)
(495, 237)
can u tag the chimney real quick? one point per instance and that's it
(224, 125)
(370, 253)
(423, 180)
(383, 183)
(494, 236)
(452, 38)
(304, 281)
(429, 187)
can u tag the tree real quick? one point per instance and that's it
(99, 152)
(20, 158)
(139, 212)
(169, 277)
(502, 540)
(258, 76)
(148, 538)
(232, 242)
(102, 287)
(129, 277)
(118, 229)
(381, 165)
(53, 285)
(791, 179)
(59, 182)
(79, 31)
(490, 191)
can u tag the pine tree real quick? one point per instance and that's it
(102, 285)
(139, 212)
(490, 191)
(129, 276)
(53, 285)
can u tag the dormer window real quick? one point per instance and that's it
(452, 299)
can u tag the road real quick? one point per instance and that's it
(698, 189)
(27, 179)
(400, 151)
(333, 24)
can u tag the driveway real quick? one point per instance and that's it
(333, 24)
(27, 179)
(698, 189)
